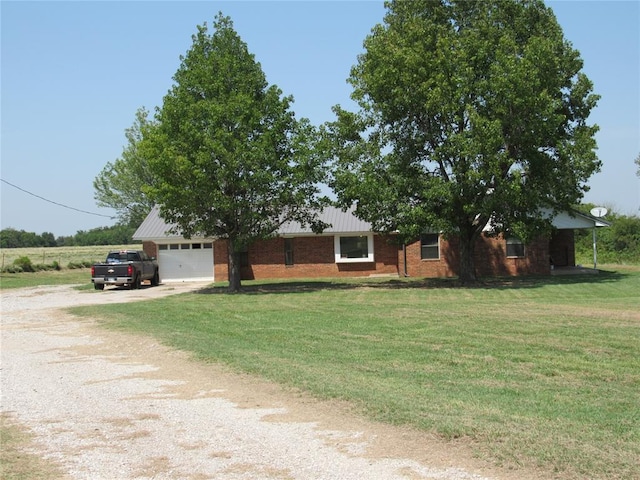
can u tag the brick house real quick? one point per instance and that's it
(350, 249)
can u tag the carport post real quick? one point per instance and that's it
(595, 252)
(597, 212)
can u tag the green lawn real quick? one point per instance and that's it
(53, 277)
(534, 372)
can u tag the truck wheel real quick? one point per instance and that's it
(155, 281)
(135, 284)
(98, 286)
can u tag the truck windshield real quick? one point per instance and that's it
(119, 257)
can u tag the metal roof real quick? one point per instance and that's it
(339, 221)
(343, 222)
(155, 228)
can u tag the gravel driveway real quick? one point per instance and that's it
(107, 405)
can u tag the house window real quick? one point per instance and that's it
(430, 246)
(174, 246)
(515, 247)
(163, 246)
(356, 248)
(288, 251)
(184, 246)
(207, 245)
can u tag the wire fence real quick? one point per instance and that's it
(62, 255)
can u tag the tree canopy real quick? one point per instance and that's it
(469, 111)
(120, 184)
(231, 160)
(12, 238)
(114, 235)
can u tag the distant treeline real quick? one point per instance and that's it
(116, 235)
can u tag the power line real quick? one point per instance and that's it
(55, 203)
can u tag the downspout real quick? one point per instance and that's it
(404, 254)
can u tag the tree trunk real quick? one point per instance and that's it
(234, 268)
(467, 260)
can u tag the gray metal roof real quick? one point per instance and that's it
(154, 227)
(339, 221)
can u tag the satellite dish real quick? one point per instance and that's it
(599, 212)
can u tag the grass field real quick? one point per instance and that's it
(532, 372)
(48, 255)
(62, 255)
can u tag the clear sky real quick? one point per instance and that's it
(74, 74)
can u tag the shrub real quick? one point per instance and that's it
(46, 266)
(12, 269)
(24, 263)
(76, 265)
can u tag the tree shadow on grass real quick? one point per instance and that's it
(256, 287)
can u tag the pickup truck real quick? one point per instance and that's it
(125, 267)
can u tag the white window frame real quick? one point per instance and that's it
(338, 253)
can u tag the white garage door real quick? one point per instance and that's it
(185, 261)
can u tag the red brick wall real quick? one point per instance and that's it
(150, 248)
(490, 259)
(446, 266)
(313, 257)
(220, 265)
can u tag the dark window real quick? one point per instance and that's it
(515, 247)
(118, 257)
(430, 246)
(244, 257)
(174, 246)
(207, 245)
(196, 246)
(288, 251)
(163, 246)
(354, 247)
(185, 246)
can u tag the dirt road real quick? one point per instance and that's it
(106, 405)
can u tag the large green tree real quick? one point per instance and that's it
(470, 111)
(230, 158)
(120, 183)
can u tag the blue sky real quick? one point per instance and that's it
(74, 73)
